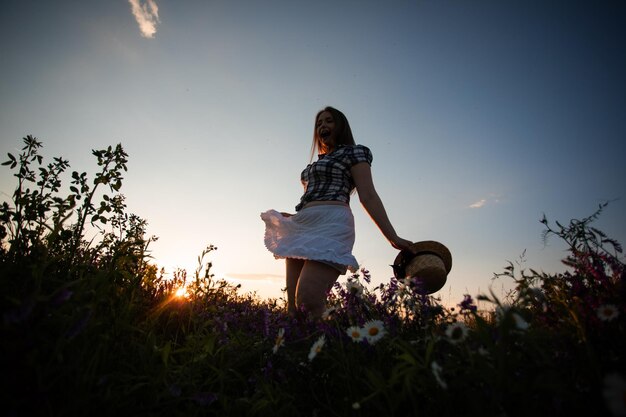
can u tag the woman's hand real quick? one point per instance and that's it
(286, 214)
(401, 244)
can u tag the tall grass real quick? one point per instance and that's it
(91, 326)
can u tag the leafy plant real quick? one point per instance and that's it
(90, 326)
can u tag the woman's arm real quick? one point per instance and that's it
(362, 175)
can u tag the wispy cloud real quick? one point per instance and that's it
(493, 198)
(146, 15)
(478, 204)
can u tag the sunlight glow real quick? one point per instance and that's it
(181, 292)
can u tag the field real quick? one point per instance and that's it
(92, 327)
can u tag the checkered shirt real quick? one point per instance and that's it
(329, 178)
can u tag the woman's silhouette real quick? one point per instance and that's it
(317, 241)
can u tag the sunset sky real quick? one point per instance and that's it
(481, 116)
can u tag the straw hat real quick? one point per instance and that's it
(429, 262)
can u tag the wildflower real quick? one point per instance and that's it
(328, 312)
(467, 305)
(280, 340)
(354, 288)
(400, 289)
(317, 347)
(374, 330)
(615, 394)
(366, 275)
(456, 332)
(607, 312)
(355, 333)
(410, 284)
(436, 369)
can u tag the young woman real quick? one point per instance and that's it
(317, 241)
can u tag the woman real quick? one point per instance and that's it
(317, 241)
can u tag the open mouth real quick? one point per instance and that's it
(325, 133)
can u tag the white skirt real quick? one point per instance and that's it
(320, 233)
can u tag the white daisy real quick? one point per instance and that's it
(280, 340)
(615, 394)
(456, 332)
(356, 333)
(317, 347)
(607, 312)
(354, 287)
(436, 369)
(374, 330)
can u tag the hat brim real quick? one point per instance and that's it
(421, 248)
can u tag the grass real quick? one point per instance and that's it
(93, 327)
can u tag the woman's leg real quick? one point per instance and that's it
(293, 269)
(316, 279)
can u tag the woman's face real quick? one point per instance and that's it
(325, 128)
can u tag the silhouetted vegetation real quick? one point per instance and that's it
(91, 327)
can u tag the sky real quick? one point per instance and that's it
(482, 116)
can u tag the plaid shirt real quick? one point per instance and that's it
(329, 178)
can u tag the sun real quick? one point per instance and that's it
(181, 292)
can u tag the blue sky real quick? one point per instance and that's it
(481, 117)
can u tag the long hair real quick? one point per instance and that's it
(343, 136)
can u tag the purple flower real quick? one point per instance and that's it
(467, 305)
(366, 275)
